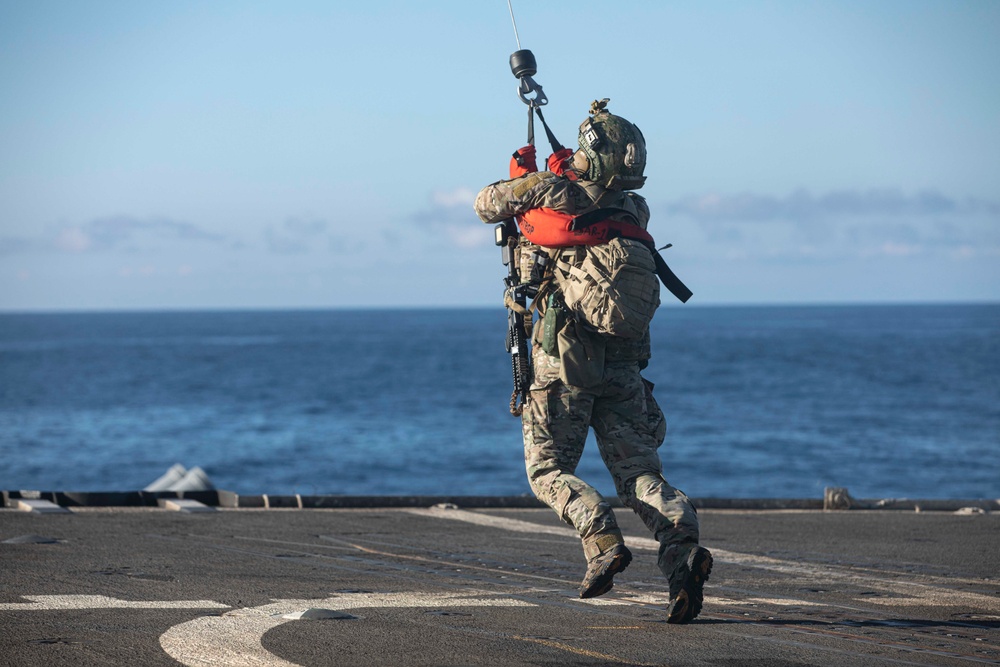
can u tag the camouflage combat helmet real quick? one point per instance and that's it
(615, 149)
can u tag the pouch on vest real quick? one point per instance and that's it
(581, 357)
(552, 323)
(614, 288)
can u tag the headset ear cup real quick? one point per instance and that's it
(635, 155)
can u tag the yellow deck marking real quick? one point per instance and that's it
(584, 652)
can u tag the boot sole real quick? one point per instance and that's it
(604, 581)
(686, 605)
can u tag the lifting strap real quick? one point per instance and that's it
(553, 142)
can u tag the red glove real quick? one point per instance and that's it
(559, 161)
(523, 162)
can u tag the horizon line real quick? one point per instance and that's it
(498, 307)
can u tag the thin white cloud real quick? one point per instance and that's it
(107, 233)
(864, 223)
(454, 198)
(16, 245)
(294, 235)
(450, 215)
(801, 205)
(73, 239)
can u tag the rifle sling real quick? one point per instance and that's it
(669, 278)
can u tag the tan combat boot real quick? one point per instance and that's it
(602, 568)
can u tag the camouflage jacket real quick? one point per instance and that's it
(544, 189)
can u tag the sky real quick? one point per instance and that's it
(301, 154)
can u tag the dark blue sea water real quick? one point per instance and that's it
(889, 401)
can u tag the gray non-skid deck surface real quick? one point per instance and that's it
(489, 587)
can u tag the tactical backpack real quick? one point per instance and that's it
(613, 287)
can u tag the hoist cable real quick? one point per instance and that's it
(516, 38)
(522, 65)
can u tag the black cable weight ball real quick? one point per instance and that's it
(522, 63)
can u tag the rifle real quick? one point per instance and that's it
(517, 292)
(516, 299)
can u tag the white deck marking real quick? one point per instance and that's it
(235, 637)
(40, 506)
(516, 525)
(930, 590)
(60, 602)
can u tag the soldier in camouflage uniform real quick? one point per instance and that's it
(602, 388)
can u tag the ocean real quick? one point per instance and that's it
(763, 401)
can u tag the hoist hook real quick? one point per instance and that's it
(524, 67)
(527, 87)
(522, 64)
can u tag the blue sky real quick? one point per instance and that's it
(325, 154)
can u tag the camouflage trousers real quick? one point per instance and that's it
(629, 427)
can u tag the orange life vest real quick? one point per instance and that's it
(551, 229)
